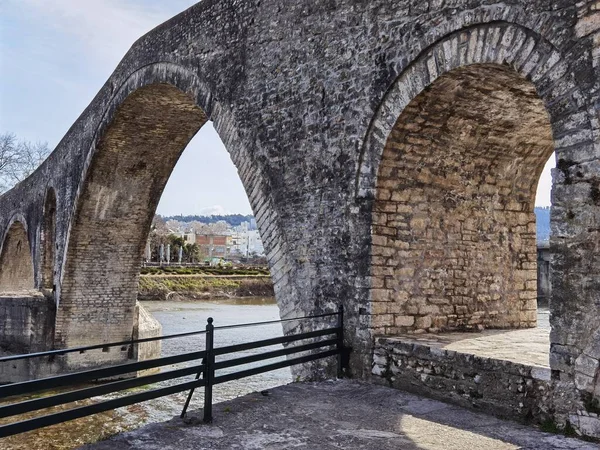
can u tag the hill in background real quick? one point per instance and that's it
(542, 215)
(232, 220)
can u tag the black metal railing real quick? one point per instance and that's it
(326, 342)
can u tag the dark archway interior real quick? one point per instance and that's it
(454, 232)
(16, 265)
(49, 240)
(133, 162)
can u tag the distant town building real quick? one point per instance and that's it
(215, 241)
(214, 246)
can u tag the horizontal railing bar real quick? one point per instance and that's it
(274, 354)
(28, 387)
(81, 394)
(278, 365)
(254, 324)
(84, 411)
(273, 341)
(64, 351)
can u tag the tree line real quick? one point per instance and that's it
(233, 220)
(18, 159)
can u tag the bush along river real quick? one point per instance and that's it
(175, 317)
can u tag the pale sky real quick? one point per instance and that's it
(55, 55)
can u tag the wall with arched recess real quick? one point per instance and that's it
(454, 237)
(449, 167)
(26, 316)
(454, 154)
(16, 264)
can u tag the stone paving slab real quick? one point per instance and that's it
(339, 415)
(529, 346)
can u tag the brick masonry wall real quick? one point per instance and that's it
(454, 244)
(134, 161)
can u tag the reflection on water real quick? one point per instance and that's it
(175, 317)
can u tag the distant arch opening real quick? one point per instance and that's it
(16, 264)
(124, 183)
(453, 226)
(48, 238)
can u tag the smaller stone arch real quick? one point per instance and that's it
(48, 240)
(16, 264)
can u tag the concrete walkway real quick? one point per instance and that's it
(339, 415)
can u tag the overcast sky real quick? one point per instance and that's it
(55, 55)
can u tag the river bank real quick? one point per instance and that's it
(177, 287)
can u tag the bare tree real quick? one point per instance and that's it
(9, 157)
(18, 159)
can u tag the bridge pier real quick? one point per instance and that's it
(29, 328)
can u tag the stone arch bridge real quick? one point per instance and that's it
(390, 152)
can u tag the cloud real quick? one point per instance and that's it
(216, 210)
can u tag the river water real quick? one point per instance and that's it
(175, 317)
(181, 317)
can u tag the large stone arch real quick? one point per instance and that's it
(16, 263)
(130, 167)
(454, 65)
(499, 43)
(158, 110)
(454, 241)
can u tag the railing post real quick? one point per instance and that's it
(340, 342)
(201, 372)
(209, 370)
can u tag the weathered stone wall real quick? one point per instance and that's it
(544, 287)
(146, 326)
(499, 387)
(26, 325)
(48, 242)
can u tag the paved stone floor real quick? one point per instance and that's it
(530, 346)
(339, 415)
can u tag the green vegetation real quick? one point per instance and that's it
(184, 284)
(199, 270)
(162, 287)
(549, 426)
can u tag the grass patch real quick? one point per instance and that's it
(150, 285)
(200, 270)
